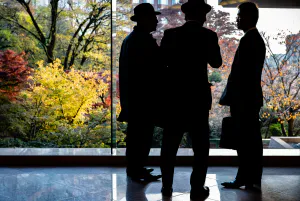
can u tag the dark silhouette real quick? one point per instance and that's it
(186, 51)
(138, 67)
(245, 98)
(136, 191)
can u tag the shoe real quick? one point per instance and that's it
(166, 191)
(199, 193)
(149, 177)
(144, 175)
(256, 187)
(143, 170)
(233, 184)
(149, 169)
(237, 184)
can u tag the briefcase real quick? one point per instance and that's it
(228, 138)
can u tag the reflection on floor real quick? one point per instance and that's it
(110, 184)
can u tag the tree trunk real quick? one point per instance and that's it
(267, 132)
(52, 33)
(291, 127)
(50, 56)
(283, 130)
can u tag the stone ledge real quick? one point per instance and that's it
(102, 157)
(121, 152)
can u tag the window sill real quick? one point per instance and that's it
(103, 157)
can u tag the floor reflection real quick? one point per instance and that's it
(112, 184)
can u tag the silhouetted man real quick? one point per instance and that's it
(186, 51)
(138, 67)
(245, 98)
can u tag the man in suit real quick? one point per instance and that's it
(186, 51)
(137, 70)
(245, 98)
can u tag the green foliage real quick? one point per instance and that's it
(157, 137)
(215, 77)
(13, 121)
(59, 107)
(275, 130)
(7, 39)
(46, 32)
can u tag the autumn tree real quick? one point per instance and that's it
(47, 39)
(92, 35)
(59, 101)
(281, 82)
(14, 73)
(217, 21)
(62, 29)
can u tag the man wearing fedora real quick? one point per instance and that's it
(187, 51)
(138, 70)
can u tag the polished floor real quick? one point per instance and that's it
(111, 184)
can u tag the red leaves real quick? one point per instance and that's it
(14, 72)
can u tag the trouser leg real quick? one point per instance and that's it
(170, 143)
(250, 154)
(138, 145)
(200, 144)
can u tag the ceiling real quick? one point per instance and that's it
(263, 3)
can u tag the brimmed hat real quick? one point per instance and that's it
(143, 10)
(195, 6)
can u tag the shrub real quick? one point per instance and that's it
(215, 77)
(275, 130)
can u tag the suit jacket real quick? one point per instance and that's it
(186, 51)
(244, 82)
(138, 67)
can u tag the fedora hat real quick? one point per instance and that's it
(143, 10)
(195, 6)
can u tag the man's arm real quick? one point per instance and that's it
(214, 54)
(123, 76)
(165, 48)
(247, 69)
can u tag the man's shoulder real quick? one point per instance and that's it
(208, 31)
(253, 38)
(135, 38)
(172, 30)
(127, 37)
(182, 29)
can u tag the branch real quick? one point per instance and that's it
(27, 8)
(296, 94)
(72, 42)
(22, 27)
(290, 85)
(92, 18)
(78, 110)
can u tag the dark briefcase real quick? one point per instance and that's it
(228, 138)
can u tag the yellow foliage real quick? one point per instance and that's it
(68, 94)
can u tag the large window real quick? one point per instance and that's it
(56, 76)
(55, 73)
(280, 120)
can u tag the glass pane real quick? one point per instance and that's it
(280, 121)
(55, 74)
